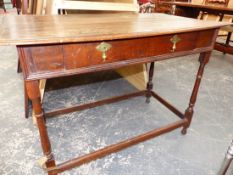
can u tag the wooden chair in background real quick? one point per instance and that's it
(224, 31)
(220, 3)
(229, 30)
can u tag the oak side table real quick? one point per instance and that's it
(60, 46)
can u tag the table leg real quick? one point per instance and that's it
(226, 164)
(34, 95)
(204, 58)
(42, 84)
(150, 82)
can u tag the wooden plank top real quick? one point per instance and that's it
(226, 10)
(29, 29)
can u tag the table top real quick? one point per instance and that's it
(203, 6)
(31, 29)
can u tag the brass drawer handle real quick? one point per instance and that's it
(103, 47)
(175, 39)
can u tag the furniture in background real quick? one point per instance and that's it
(161, 7)
(223, 3)
(227, 166)
(146, 6)
(226, 47)
(48, 51)
(5, 3)
(220, 16)
(2, 5)
(31, 6)
(192, 10)
(17, 5)
(217, 3)
(110, 5)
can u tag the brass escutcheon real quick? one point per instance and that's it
(103, 47)
(175, 39)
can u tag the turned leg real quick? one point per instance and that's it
(34, 95)
(150, 82)
(227, 162)
(204, 58)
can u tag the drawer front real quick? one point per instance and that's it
(62, 57)
(88, 54)
(45, 58)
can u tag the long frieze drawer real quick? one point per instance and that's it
(88, 54)
(57, 57)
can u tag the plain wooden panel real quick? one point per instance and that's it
(29, 29)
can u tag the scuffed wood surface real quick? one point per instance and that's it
(24, 30)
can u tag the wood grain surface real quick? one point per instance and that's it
(27, 30)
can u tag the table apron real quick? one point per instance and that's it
(56, 60)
